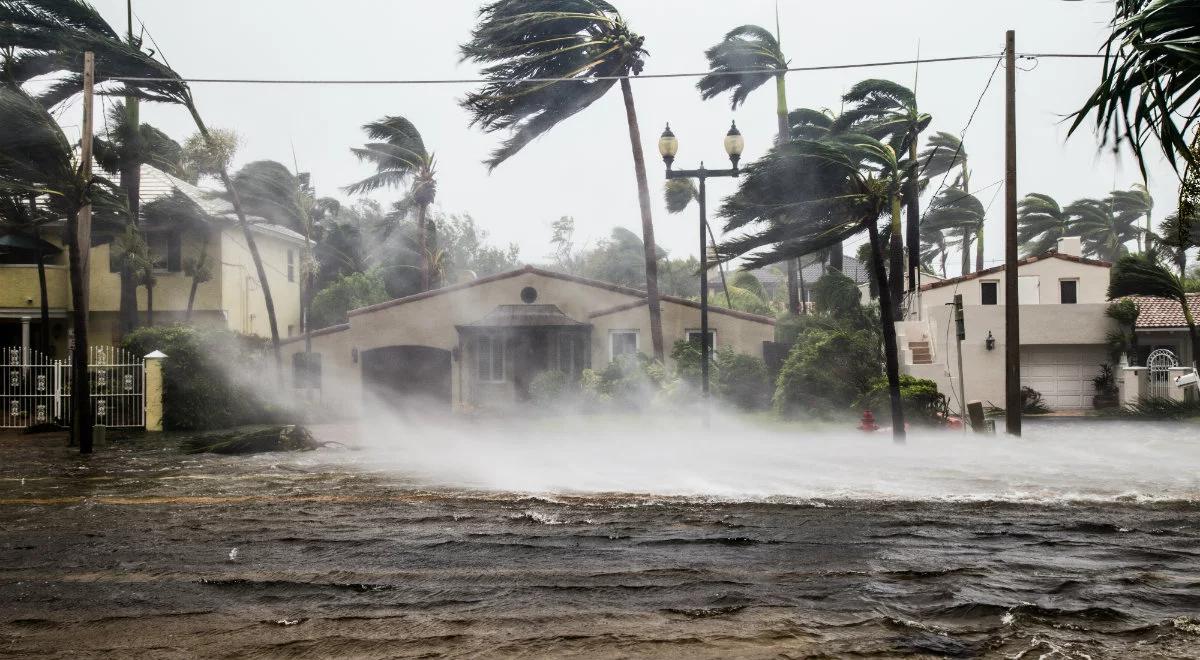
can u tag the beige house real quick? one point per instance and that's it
(1062, 298)
(480, 344)
(233, 297)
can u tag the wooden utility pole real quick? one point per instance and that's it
(1012, 310)
(81, 237)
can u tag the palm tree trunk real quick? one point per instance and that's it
(836, 259)
(966, 252)
(782, 135)
(913, 228)
(651, 251)
(803, 293)
(236, 200)
(979, 248)
(1193, 331)
(191, 299)
(81, 408)
(149, 300)
(887, 320)
(896, 259)
(422, 245)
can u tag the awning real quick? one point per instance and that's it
(14, 242)
(525, 316)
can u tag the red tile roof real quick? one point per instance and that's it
(1022, 262)
(1163, 312)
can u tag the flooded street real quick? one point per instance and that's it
(143, 551)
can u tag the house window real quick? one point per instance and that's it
(989, 292)
(623, 342)
(693, 336)
(489, 365)
(566, 353)
(1068, 292)
(291, 261)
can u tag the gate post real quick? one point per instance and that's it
(153, 391)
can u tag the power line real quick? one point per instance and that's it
(698, 74)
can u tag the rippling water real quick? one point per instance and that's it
(635, 540)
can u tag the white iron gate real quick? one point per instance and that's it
(1159, 364)
(36, 389)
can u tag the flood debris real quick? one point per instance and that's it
(254, 440)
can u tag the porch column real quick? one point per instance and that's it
(25, 339)
(153, 391)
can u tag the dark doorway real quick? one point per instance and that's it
(407, 376)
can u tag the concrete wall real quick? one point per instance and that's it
(241, 294)
(1092, 288)
(431, 321)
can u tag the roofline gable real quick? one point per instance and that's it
(1020, 262)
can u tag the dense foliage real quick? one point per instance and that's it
(923, 403)
(348, 292)
(211, 376)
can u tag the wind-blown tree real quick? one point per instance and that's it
(746, 58)
(1141, 275)
(888, 111)
(829, 190)
(122, 151)
(1176, 235)
(36, 159)
(1104, 233)
(400, 158)
(960, 215)
(1040, 223)
(944, 153)
(585, 43)
(21, 215)
(1130, 206)
(51, 37)
(1150, 82)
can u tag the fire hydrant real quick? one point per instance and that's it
(868, 424)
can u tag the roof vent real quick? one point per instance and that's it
(529, 295)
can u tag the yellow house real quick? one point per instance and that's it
(233, 297)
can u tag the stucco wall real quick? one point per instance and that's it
(241, 295)
(171, 289)
(742, 335)
(1093, 283)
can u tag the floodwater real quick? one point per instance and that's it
(635, 539)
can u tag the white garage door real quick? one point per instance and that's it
(1063, 374)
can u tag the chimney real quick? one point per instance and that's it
(1070, 246)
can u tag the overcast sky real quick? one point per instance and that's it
(583, 167)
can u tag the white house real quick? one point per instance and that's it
(1062, 298)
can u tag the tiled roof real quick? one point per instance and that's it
(1021, 262)
(1163, 312)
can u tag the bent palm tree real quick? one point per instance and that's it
(944, 152)
(960, 215)
(1129, 206)
(888, 111)
(400, 158)
(1177, 234)
(745, 59)
(1104, 233)
(1141, 275)
(1040, 223)
(37, 160)
(1150, 79)
(829, 190)
(583, 45)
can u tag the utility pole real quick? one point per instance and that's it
(1012, 311)
(81, 405)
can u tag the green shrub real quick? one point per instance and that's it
(629, 382)
(686, 355)
(837, 295)
(1155, 407)
(550, 387)
(742, 379)
(826, 371)
(923, 404)
(329, 305)
(209, 376)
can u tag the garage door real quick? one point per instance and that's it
(416, 377)
(1063, 374)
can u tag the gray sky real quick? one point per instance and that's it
(583, 167)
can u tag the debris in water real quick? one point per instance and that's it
(254, 439)
(233, 554)
(288, 622)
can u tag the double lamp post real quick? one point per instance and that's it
(668, 146)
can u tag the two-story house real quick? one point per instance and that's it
(232, 297)
(1062, 298)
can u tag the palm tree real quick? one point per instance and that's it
(51, 36)
(810, 124)
(1141, 275)
(586, 44)
(36, 159)
(745, 59)
(1040, 223)
(888, 111)
(1129, 206)
(1150, 79)
(22, 216)
(959, 214)
(1104, 233)
(400, 158)
(1176, 235)
(829, 190)
(945, 152)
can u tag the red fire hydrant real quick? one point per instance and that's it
(868, 424)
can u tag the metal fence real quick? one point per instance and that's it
(36, 389)
(1160, 362)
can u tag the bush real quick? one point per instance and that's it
(630, 382)
(837, 295)
(826, 371)
(330, 305)
(686, 355)
(1155, 407)
(923, 404)
(550, 387)
(212, 378)
(742, 379)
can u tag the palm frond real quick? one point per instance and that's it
(747, 57)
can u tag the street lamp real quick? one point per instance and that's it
(668, 146)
